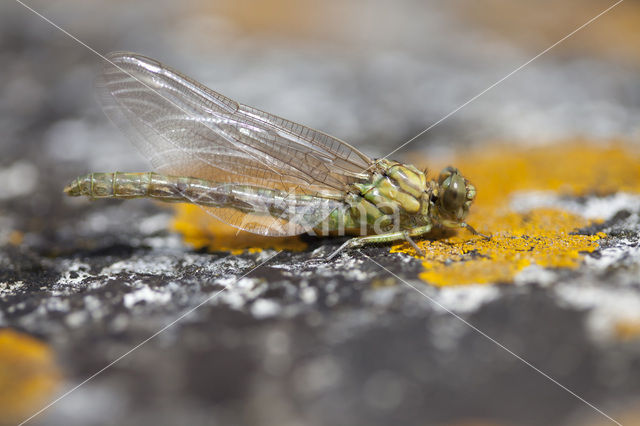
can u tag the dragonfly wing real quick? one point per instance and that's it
(266, 215)
(187, 129)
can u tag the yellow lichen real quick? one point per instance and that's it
(627, 330)
(15, 238)
(543, 236)
(28, 375)
(573, 169)
(203, 231)
(377, 283)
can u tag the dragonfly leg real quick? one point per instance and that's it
(384, 238)
(408, 239)
(473, 231)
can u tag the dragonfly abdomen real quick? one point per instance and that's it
(136, 185)
(243, 198)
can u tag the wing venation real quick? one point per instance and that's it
(186, 129)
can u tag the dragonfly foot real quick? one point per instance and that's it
(353, 242)
(474, 232)
(413, 244)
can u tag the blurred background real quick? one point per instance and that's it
(374, 73)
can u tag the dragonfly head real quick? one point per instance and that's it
(452, 196)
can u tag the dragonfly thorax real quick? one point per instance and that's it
(396, 195)
(399, 196)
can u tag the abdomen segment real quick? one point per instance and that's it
(302, 211)
(133, 185)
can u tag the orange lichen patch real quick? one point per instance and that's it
(572, 169)
(627, 413)
(377, 283)
(28, 375)
(542, 236)
(15, 238)
(203, 231)
(627, 330)
(614, 36)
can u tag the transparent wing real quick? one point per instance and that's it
(259, 211)
(187, 129)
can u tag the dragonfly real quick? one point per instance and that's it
(259, 172)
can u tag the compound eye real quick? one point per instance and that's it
(446, 172)
(455, 193)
